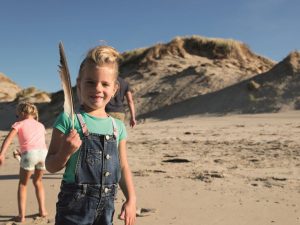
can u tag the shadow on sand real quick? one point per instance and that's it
(45, 177)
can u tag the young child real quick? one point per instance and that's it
(33, 151)
(94, 153)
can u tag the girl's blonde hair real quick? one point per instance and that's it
(27, 108)
(100, 56)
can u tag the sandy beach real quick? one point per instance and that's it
(208, 170)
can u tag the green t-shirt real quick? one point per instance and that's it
(94, 125)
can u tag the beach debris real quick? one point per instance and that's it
(219, 161)
(279, 178)
(176, 160)
(145, 173)
(270, 182)
(140, 173)
(141, 212)
(170, 156)
(207, 176)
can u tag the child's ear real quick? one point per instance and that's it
(116, 87)
(77, 83)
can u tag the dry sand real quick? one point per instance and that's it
(231, 170)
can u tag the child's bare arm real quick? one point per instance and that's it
(61, 148)
(128, 212)
(6, 143)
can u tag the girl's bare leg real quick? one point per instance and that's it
(22, 193)
(40, 191)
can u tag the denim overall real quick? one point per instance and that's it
(90, 200)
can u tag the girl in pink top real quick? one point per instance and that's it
(33, 150)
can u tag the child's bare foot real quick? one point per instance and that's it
(19, 219)
(43, 214)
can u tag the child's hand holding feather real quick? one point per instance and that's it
(71, 143)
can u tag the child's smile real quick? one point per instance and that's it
(97, 98)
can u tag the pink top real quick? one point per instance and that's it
(31, 134)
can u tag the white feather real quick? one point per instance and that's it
(66, 84)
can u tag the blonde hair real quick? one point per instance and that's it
(26, 109)
(100, 56)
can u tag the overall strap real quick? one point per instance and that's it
(115, 130)
(82, 124)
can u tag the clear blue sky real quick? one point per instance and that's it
(32, 29)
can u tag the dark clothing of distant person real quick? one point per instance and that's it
(116, 108)
(116, 103)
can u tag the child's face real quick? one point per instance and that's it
(96, 87)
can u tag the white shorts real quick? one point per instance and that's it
(34, 159)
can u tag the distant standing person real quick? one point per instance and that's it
(116, 108)
(33, 150)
